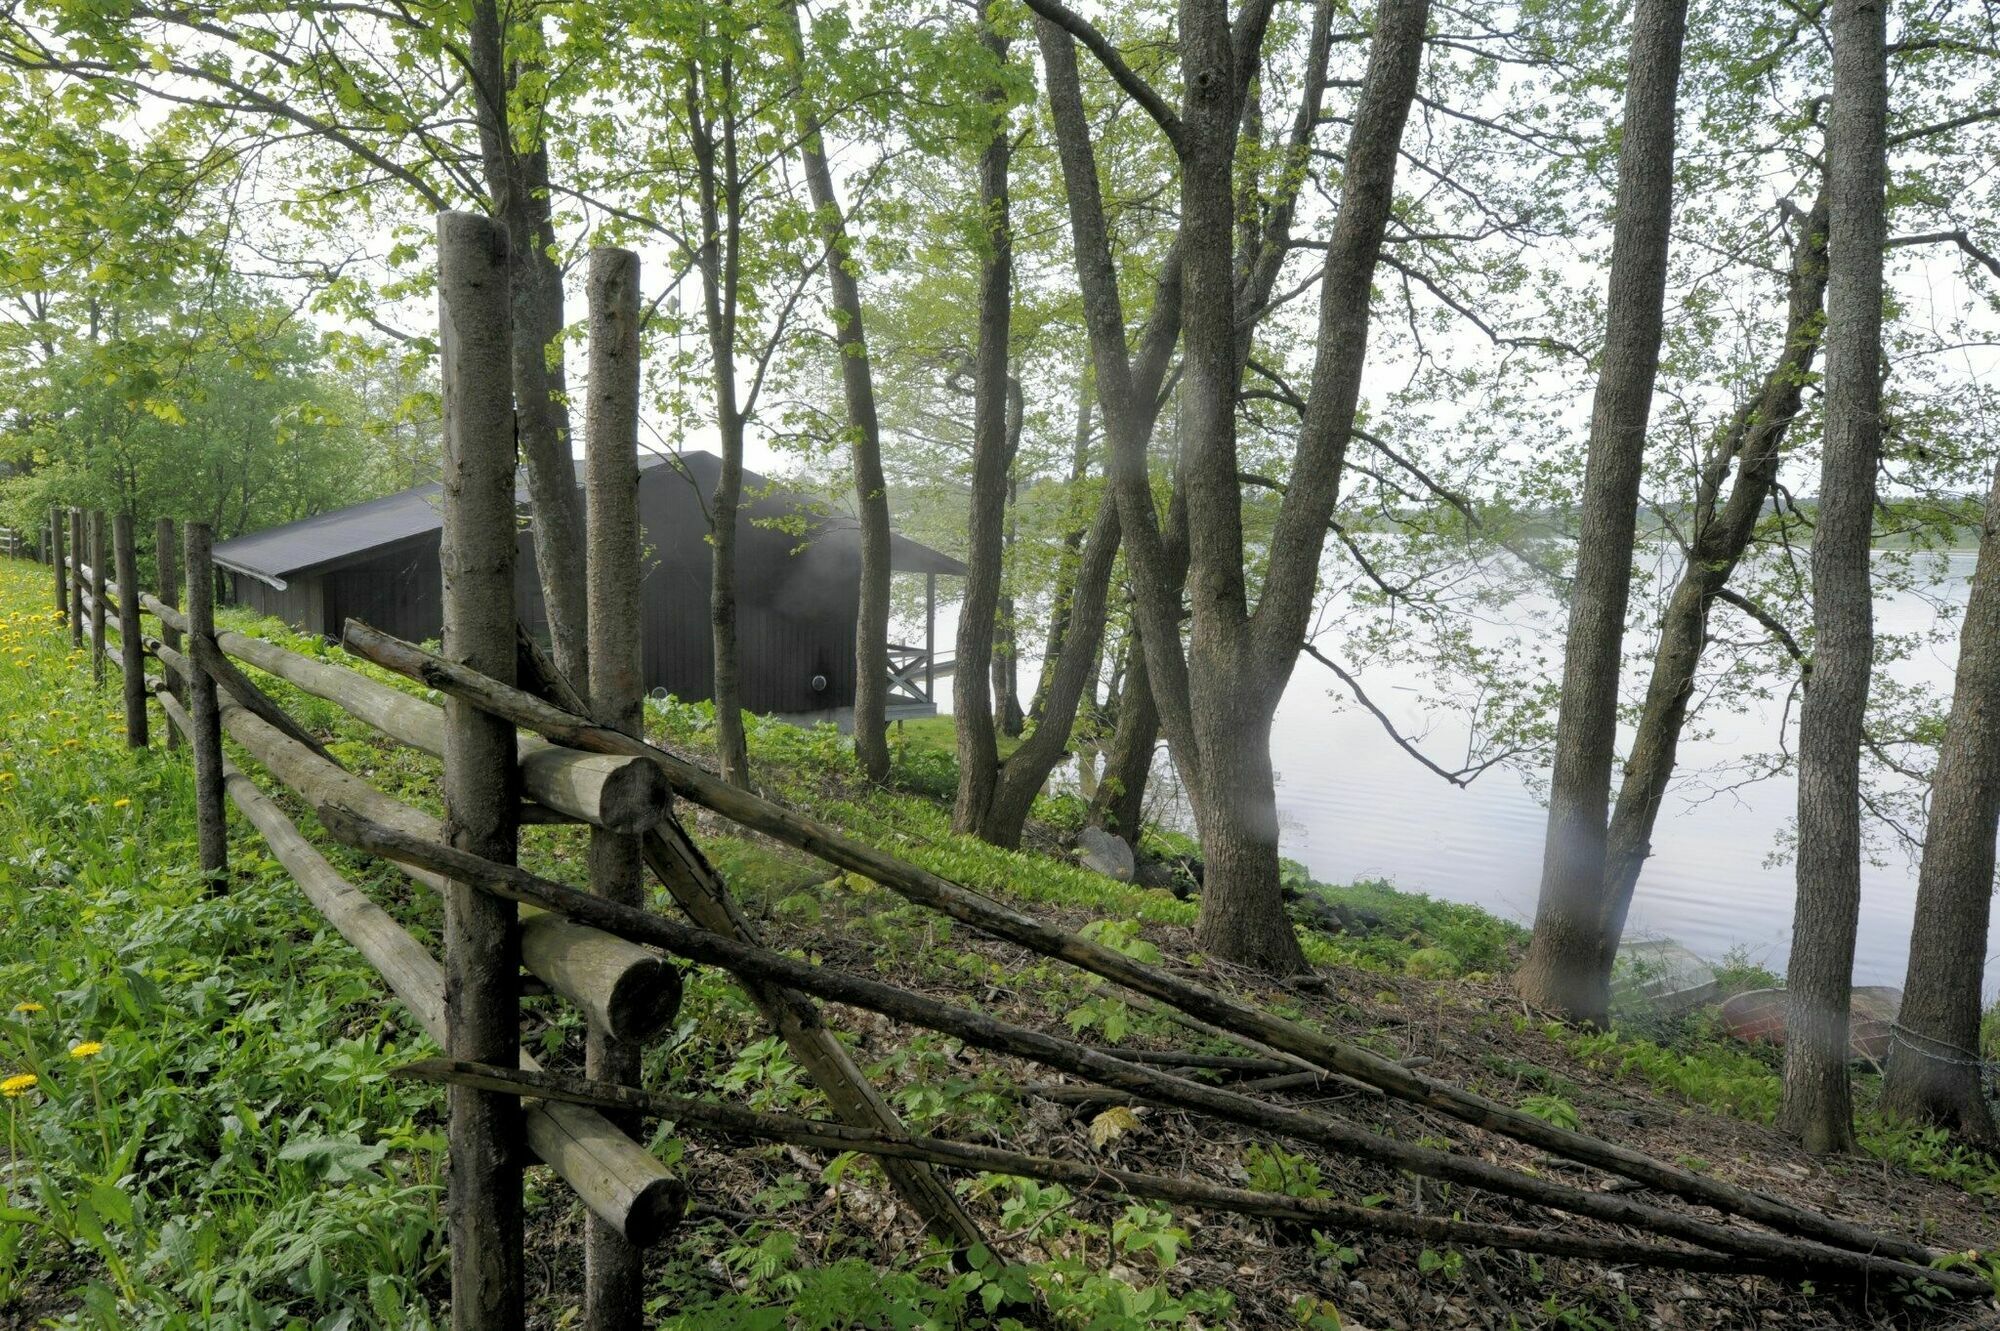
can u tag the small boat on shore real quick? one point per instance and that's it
(1761, 1014)
(1662, 975)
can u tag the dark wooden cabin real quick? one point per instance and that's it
(798, 575)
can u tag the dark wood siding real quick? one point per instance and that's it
(796, 604)
(299, 603)
(399, 591)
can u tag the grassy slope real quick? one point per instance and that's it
(236, 1158)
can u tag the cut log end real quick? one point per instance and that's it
(633, 1194)
(645, 1001)
(634, 796)
(625, 990)
(657, 1211)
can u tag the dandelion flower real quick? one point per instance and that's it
(121, 804)
(87, 1049)
(16, 1087)
(29, 1008)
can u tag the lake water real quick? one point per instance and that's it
(1353, 805)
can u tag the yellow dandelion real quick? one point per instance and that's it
(29, 1008)
(86, 1049)
(121, 804)
(16, 1087)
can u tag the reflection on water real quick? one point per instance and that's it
(1353, 805)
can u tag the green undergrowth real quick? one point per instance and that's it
(814, 769)
(233, 1154)
(236, 1156)
(1695, 1063)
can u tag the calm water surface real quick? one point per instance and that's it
(1353, 805)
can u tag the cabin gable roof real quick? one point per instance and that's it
(279, 555)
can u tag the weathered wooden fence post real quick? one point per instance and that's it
(614, 1270)
(167, 578)
(75, 578)
(130, 649)
(481, 936)
(96, 597)
(60, 554)
(204, 710)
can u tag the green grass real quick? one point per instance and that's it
(1697, 1064)
(937, 733)
(235, 1156)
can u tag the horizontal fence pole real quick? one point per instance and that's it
(613, 1175)
(1004, 922)
(617, 984)
(219, 669)
(604, 790)
(982, 1031)
(699, 891)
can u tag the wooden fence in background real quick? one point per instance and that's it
(522, 748)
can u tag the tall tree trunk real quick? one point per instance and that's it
(1934, 1062)
(871, 488)
(1239, 663)
(1561, 973)
(1755, 444)
(1007, 718)
(1078, 524)
(1120, 800)
(719, 261)
(972, 702)
(517, 181)
(1073, 675)
(1817, 1108)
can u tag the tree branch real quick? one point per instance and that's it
(1140, 91)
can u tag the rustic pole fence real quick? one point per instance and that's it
(700, 892)
(1239, 1018)
(482, 955)
(60, 561)
(75, 579)
(96, 598)
(614, 1270)
(204, 709)
(354, 813)
(132, 672)
(982, 1031)
(619, 986)
(167, 578)
(613, 1176)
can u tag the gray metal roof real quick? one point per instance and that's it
(310, 545)
(277, 554)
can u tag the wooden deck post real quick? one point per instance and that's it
(60, 556)
(205, 710)
(614, 1270)
(75, 578)
(130, 648)
(482, 954)
(930, 636)
(96, 597)
(167, 578)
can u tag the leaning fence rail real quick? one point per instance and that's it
(520, 747)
